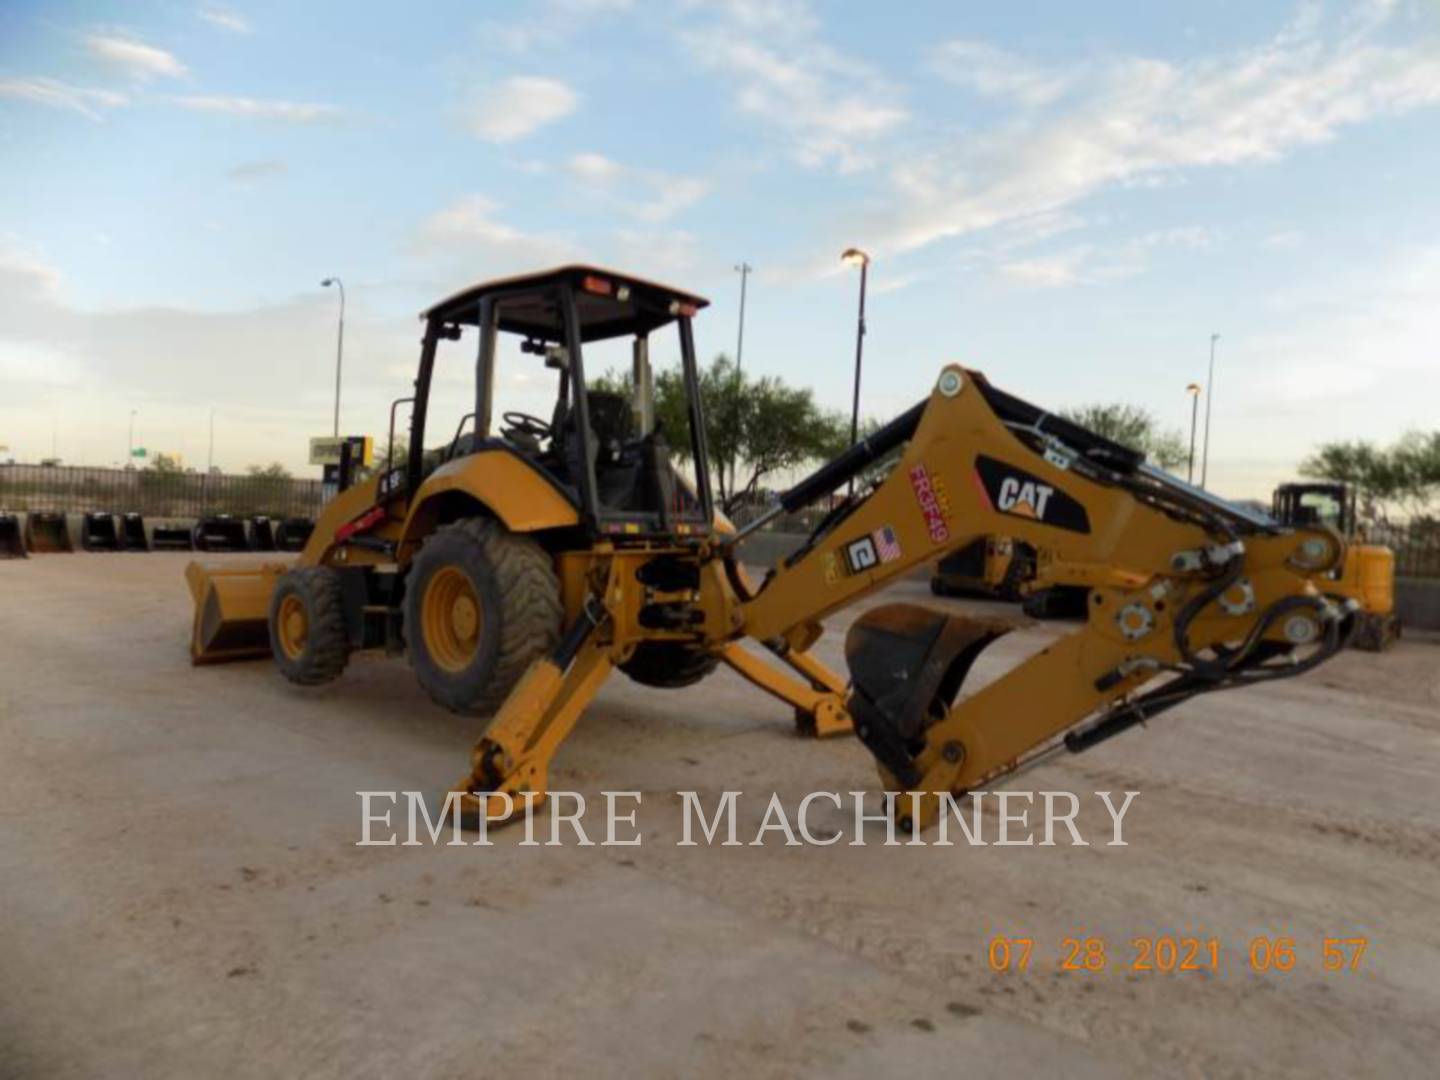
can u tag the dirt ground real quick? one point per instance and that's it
(181, 893)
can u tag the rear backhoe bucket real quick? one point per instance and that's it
(232, 609)
(12, 542)
(906, 667)
(132, 533)
(97, 532)
(221, 532)
(47, 532)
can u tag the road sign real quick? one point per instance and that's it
(325, 450)
(139, 451)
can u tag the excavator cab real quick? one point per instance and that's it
(1315, 504)
(1368, 573)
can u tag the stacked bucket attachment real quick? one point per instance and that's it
(12, 542)
(221, 532)
(46, 533)
(132, 533)
(293, 534)
(261, 534)
(97, 532)
(172, 538)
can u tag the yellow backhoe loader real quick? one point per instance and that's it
(519, 569)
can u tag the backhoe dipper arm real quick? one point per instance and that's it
(1182, 585)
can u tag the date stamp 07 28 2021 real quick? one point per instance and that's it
(1166, 954)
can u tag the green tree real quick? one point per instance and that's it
(1132, 426)
(164, 464)
(1403, 477)
(754, 428)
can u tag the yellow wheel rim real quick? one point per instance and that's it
(451, 618)
(292, 626)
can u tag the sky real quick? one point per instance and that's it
(1069, 197)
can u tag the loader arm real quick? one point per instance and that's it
(1184, 588)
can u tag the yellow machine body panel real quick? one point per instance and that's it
(511, 489)
(1369, 577)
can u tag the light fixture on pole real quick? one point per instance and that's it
(744, 270)
(856, 257)
(1194, 391)
(339, 346)
(1209, 399)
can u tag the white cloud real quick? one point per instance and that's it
(995, 73)
(134, 57)
(471, 227)
(596, 168)
(1136, 119)
(515, 108)
(830, 105)
(248, 172)
(87, 101)
(1087, 264)
(1047, 271)
(1284, 238)
(648, 195)
(290, 112)
(224, 18)
(546, 23)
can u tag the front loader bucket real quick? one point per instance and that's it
(12, 542)
(232, 610)
(132, 533)
(45, 532)
(97, 532)
(906, 667)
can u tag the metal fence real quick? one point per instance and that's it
(155, 494)
(1416, 545)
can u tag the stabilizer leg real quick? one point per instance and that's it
(513, 756)
(819, 702)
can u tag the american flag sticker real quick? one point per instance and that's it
(887, 545)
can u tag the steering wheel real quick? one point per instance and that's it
(519, 423)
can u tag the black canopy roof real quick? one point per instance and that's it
(610, 304)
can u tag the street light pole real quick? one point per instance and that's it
(339, 347)
(1209, 399)
(743, 270)
(1194, 391)
(210, 455)
(130, 448)
(854, 256)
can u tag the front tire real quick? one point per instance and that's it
(481, 605)
(308, 634)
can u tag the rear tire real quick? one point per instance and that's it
(481, 605)
(669, 664)
(308, 635)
